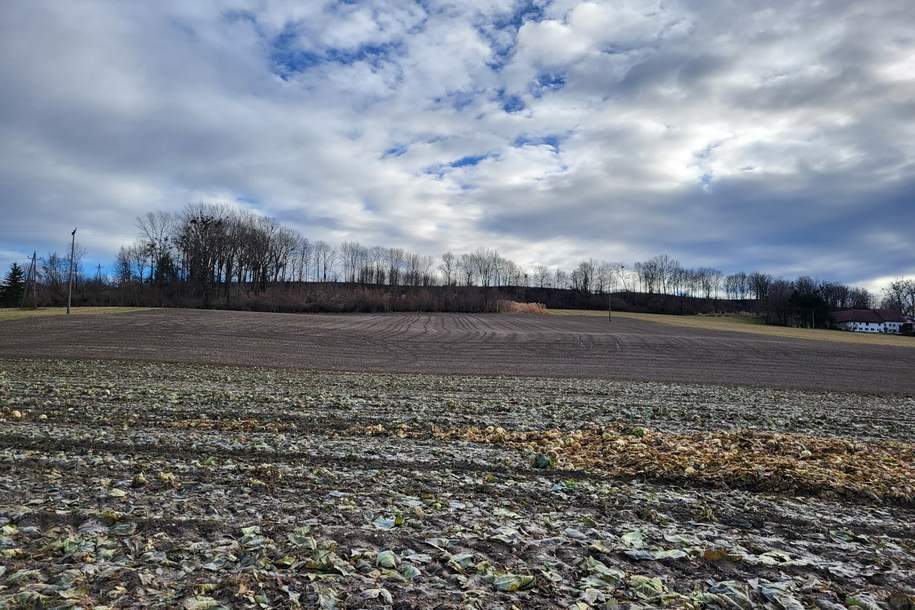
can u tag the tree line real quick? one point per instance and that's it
(215, 249)
(214, 255)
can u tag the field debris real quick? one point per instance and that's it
(516, 307)
(174, 486)
(754, 460)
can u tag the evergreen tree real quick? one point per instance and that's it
(14, 286)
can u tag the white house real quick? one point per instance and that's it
(871, 321)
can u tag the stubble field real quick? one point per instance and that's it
(137, 482)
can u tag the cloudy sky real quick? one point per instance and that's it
(745, 135)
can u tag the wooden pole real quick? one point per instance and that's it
(70, 278)
(34, 280)
(30, 277)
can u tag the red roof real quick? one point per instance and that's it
(872, 316)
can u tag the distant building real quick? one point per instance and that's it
(872, 321)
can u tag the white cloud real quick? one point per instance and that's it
(781, 137)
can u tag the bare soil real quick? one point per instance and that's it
(142, 484)
(493, 344)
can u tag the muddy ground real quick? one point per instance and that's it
(468, 344)
(127, 484)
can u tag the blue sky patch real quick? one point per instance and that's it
(287, 59)
(527, 10)
(370, 53)
(512, 103)
(552, 80)
(509, 23)
(468, 160)
(440, 169)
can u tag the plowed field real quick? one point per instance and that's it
(651, 467)
(577, 346)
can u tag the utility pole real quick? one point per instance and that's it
(34, 279)
(30, 277)
(70, 278)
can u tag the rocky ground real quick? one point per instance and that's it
(174, 485)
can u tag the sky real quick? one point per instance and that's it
(743, 135)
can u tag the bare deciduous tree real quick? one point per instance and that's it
(448, 268)
(542, 276)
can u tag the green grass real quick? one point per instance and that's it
(19, 314)
(748, 324)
